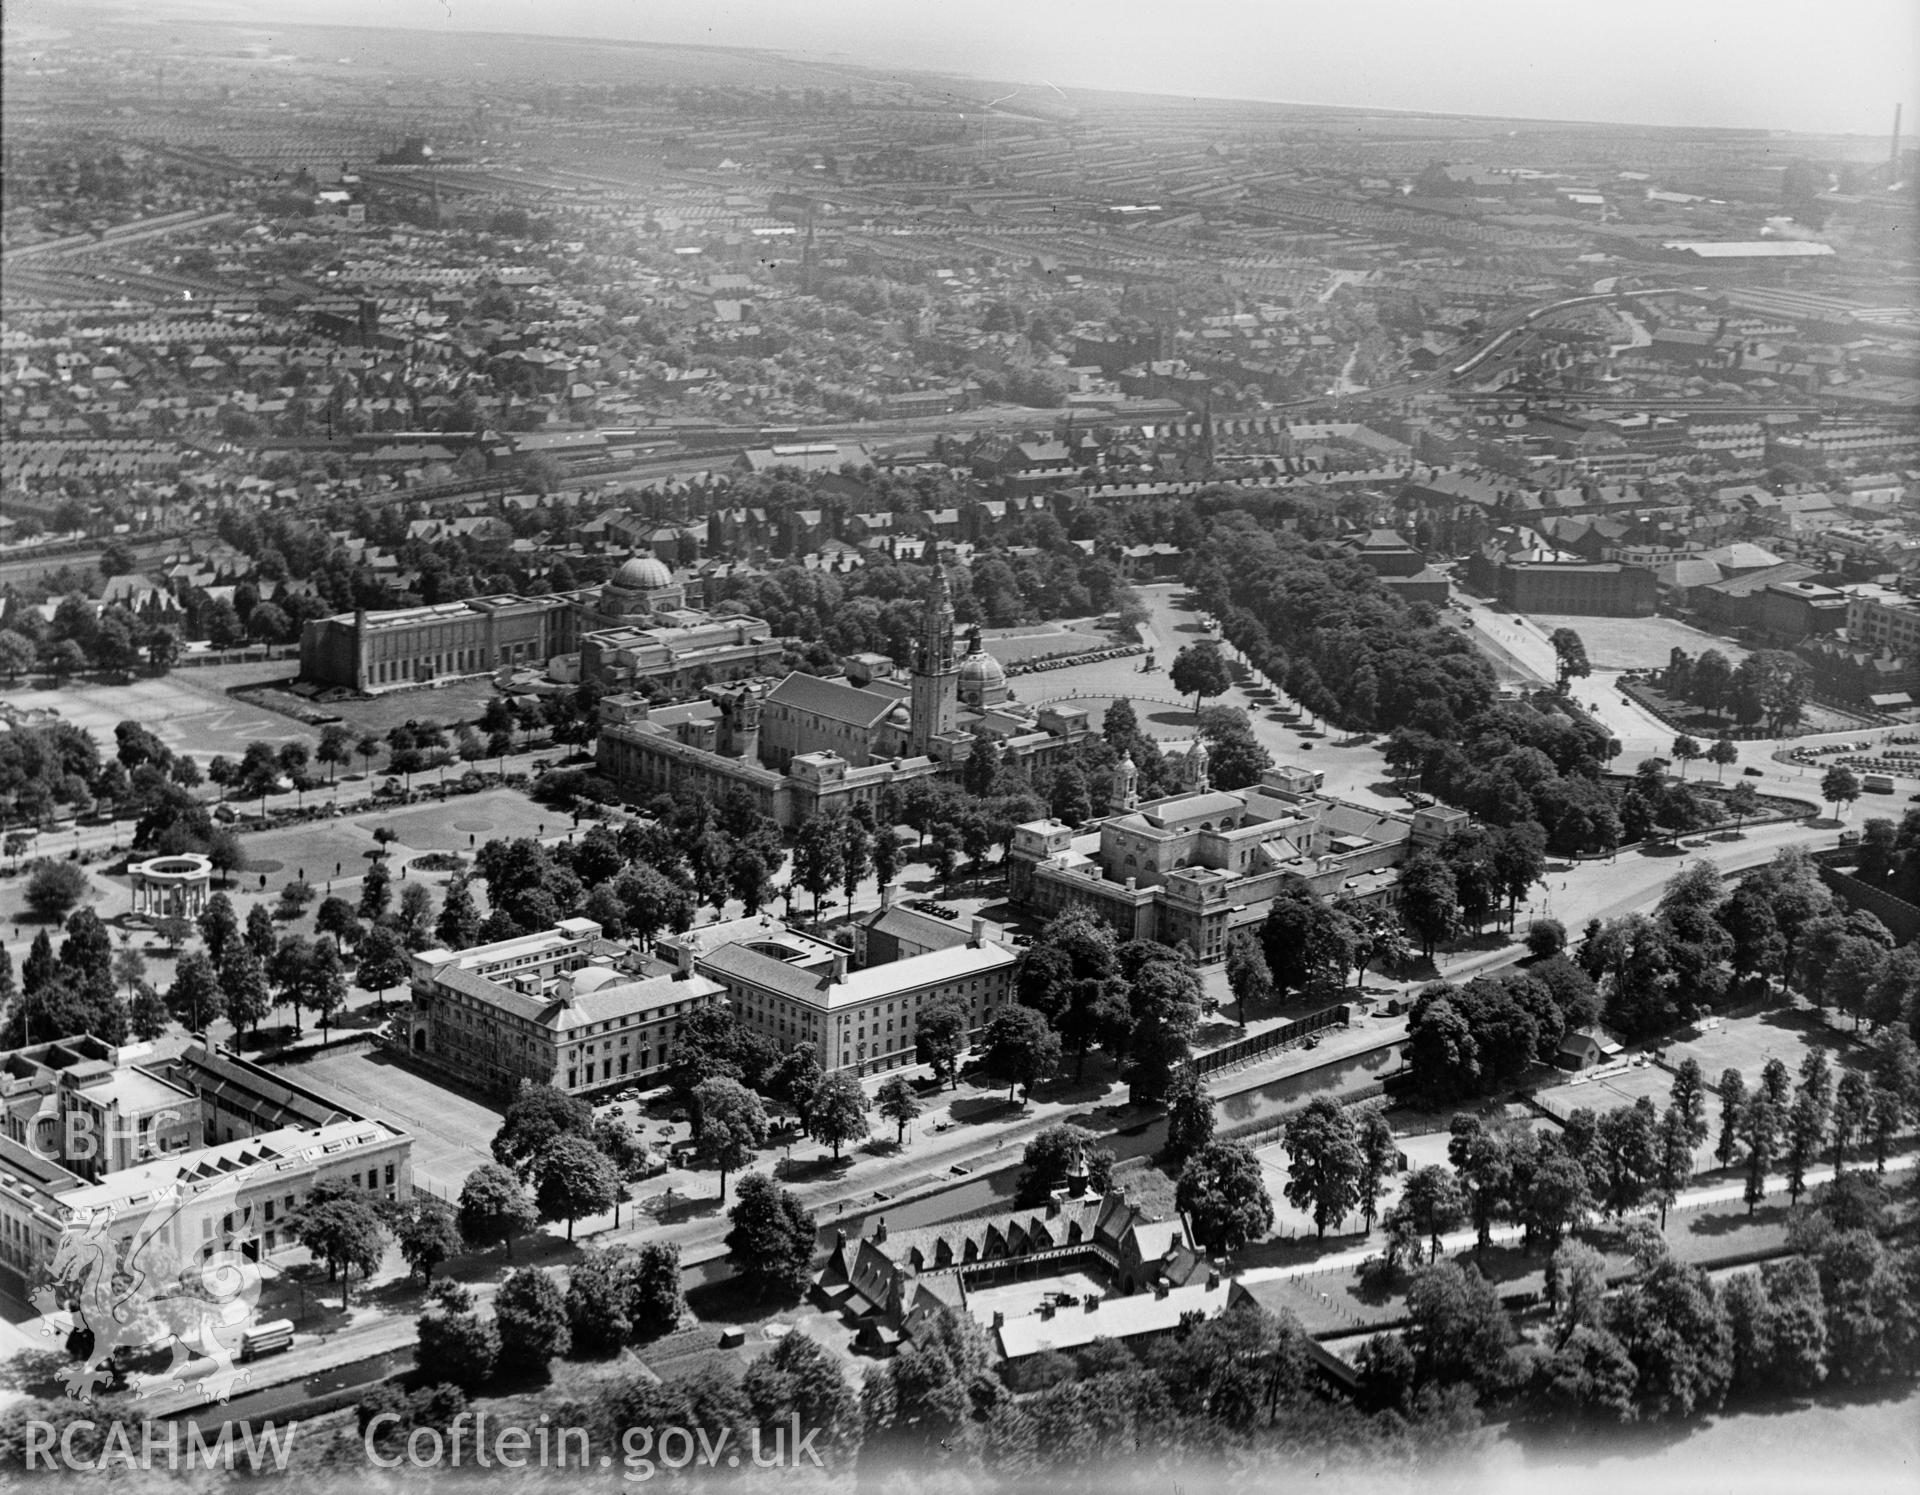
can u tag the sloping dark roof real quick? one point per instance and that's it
(832, 699)
(762, 970)
(917, 928)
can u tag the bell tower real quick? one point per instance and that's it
(935, 703)
(1125, 795)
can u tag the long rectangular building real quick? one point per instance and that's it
(792, 989)
(549, 1009)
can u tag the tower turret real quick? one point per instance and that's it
(936, 676)
(1124, 795)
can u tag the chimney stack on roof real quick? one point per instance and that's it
(839, 975)
(880, 1230)
(886, 897)
(979, 932)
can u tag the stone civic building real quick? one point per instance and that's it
(1192, 867)
(640, 626)
(200, 1153)
(792, 989)
(551, 1008)
(806, 744)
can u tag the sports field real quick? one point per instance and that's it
(190, 714)
(1636, 643)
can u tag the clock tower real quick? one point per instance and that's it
(935, 705)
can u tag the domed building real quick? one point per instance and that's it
(983, 680)
(641, 587)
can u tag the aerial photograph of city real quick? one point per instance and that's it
(1019, 745)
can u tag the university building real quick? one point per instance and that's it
(807, 745)
(202, 1153)
(794, 989)
(550, 1008)
(1192, 867)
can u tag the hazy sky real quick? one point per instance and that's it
(1834, 65)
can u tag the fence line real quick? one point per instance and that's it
(1255, 1045)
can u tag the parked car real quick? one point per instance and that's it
(1754, 773)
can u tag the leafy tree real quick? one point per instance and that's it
(1429, 900)
(260, 934)
(325, 990)
(383, 960)
(818, 856)
(345, 1232)
(733, 1129)
(1688, 1095)
(428, 1234)
(336, 917)
(1839, 785)
(1759, 1125)
(1200, 670)
(530, 1313)
(1588, 1381)
(459, 922)
(1676, 1333)
(53, 888)
(1628, 1155)
(1743, 803)
(1222, 1193)
(195, 996)
(129, 965)
(571, 1178)
(1379, 1158)
(243, 987)
(771, 1242)
(705, 1048)
(1189, 1116)
(459, 1348)
(219, 929)
(1324, 1162)
(1732, 1092)
(1247, 973)
(1570, 657)
(1020, 1048)
(1456, 1328)
(147, 1013)
(839, 1111)
(898, 1104)
(494, 1208)
(538, 1116)
(1546, 938)
(799, 1379)
(795, 1081)
(1431, 1204)
(1673, 1159)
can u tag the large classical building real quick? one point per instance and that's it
(795, 989)
(640, 626)
(199, 1153)
(1192, 867)
(549, 1009)
(808, 744)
